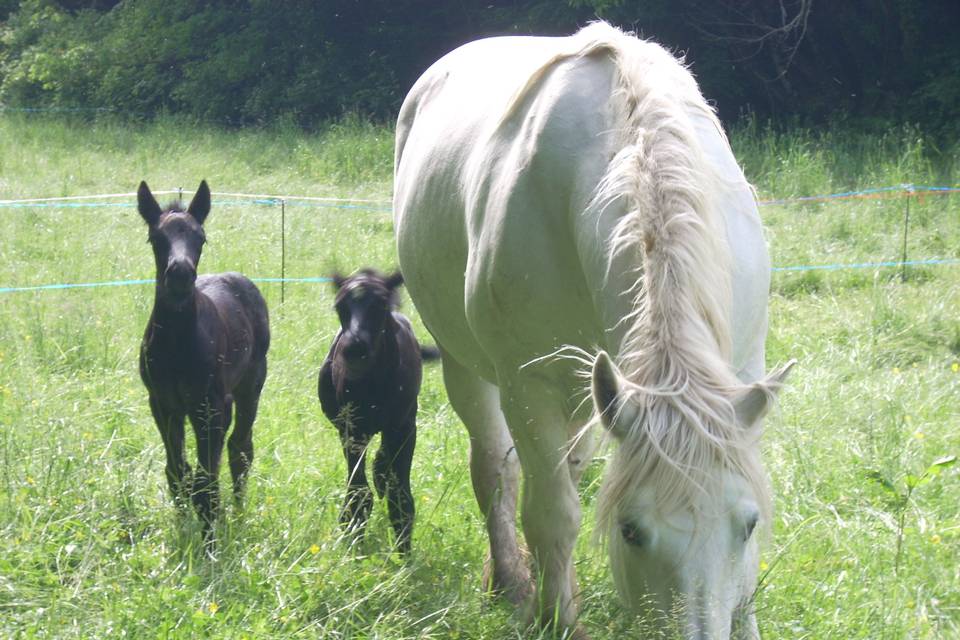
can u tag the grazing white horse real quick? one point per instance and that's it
(558, 195)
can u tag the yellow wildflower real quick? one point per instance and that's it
(955, 367)
(896, 370)
(763, 565)
(213, 607)
(314, 549)
(919, 435)
(935, 539)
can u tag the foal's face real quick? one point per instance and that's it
(364, 303)
(177, 238)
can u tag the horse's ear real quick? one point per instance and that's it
(200, 205)
(338, 280)
(755, 400)
(147, 205)
(606, 389)
(394, 280)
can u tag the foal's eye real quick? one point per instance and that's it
(634, 535)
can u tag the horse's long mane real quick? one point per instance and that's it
(676, 352)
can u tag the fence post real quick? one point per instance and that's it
(906, 226)
(283, 248)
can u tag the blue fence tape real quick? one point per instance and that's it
(130, 205)
(126, 283)
(908, 189)
(911, 189)
(321, 279)
(868, 265)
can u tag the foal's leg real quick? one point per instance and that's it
(494, 468)
(359, 500)
(240, 445)
(210, 423)
(170, 426)
(391, 475)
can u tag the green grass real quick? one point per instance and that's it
(90, 545)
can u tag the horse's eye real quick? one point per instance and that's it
(751, 524)
(634, 535)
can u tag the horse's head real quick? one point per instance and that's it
(177, 239)
(682, 500)
(364, 303)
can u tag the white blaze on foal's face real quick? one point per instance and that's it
(689, 564)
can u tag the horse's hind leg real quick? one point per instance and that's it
(177, 470)
(494, 468)
(391, 470)
(240, 444)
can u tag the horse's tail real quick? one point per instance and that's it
(429, 353)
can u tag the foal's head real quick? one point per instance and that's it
(177, 238)
(364, 304)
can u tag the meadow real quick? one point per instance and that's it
(865, 541)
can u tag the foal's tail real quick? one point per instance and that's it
(429, 354)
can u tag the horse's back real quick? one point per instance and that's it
(501, 147)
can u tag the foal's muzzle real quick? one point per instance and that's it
(180, 277)
(356, 350)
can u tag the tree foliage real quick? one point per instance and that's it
(242, 61)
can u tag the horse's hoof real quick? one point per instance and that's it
(577, 633)
(514, 586)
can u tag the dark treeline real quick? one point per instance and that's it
(868, 62)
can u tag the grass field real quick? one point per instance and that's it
(863, 545)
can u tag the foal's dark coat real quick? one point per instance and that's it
(203, 351)
(369, 384)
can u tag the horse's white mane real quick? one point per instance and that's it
(675, 355)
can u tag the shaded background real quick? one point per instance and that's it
(865, 63)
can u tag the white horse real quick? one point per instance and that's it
(556, 195)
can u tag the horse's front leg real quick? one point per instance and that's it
(391, 477)
(210, 423)
(359, 500)
(538, 422)
(170, 426)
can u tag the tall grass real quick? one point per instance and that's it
(90, 545)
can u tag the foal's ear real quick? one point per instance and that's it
(338, 280)
(200, 205)
(756, 399)
(394, 280)
(147, 205)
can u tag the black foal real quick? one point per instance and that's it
(369, 384)
(204, 350)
